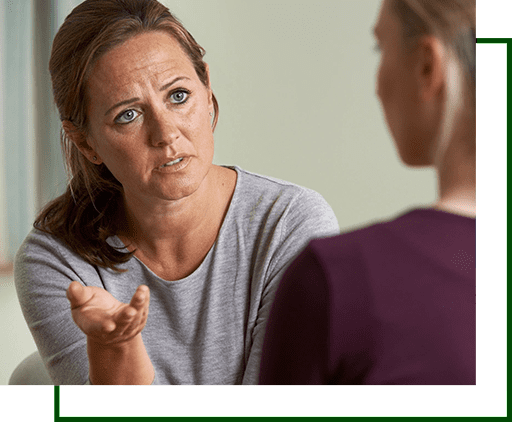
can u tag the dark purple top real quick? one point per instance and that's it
(393, 303)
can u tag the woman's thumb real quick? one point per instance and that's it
(76, 294)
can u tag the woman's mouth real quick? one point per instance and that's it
(172, 163)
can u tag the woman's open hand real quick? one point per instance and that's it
(103, 318)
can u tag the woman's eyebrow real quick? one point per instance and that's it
(132, 100)
(179, 78)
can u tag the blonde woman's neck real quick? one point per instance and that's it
(456, 167)
(462, 204)
(457, 185)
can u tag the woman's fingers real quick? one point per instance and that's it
(130, 326)
(132, 319)
(140, 298)
(77, 294)
(108, 326)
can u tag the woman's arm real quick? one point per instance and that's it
(115, 349)
(295, 350)
(44, 272)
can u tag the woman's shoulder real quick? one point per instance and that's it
(40, 242)
(419, 230)
(261, 187)
(42, 252)
(250, 181)
(259, 194)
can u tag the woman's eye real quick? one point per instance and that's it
(179, 97)
(127, 117)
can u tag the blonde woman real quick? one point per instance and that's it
(394, 303)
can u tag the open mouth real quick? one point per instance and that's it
(172, 163)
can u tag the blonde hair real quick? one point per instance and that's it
(453, 22)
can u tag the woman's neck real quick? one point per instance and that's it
(183, 222)
(457, 186)
(461, 204)
(150, 221)
(456, 172)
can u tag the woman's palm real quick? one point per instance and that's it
(103, 318)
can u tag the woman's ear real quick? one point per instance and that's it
(207, 68)
(210, 92)
(431, 70)
(80, 141)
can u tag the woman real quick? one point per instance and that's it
(146, 212)
(394, 303)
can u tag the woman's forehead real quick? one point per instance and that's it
(151, 53)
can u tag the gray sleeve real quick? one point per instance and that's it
(44, 268)
(307, 217)
(42, 276)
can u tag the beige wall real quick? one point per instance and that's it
(15, 339)
(295, 80)
(3, 210)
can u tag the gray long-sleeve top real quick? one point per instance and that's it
(207, 328)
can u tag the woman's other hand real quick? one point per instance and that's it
(103, 318)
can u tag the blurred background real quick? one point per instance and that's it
(295, 80)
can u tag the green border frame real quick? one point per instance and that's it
(47, 403)
(244, 401)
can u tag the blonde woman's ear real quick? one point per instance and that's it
(431, 71)
(80, 141)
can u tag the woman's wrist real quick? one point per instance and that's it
(120, 363)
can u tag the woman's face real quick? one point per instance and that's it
(149, 118)
(397, 89)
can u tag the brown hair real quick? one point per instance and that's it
(453, 22)
(85, 215)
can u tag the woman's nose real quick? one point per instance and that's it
(164, 129)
